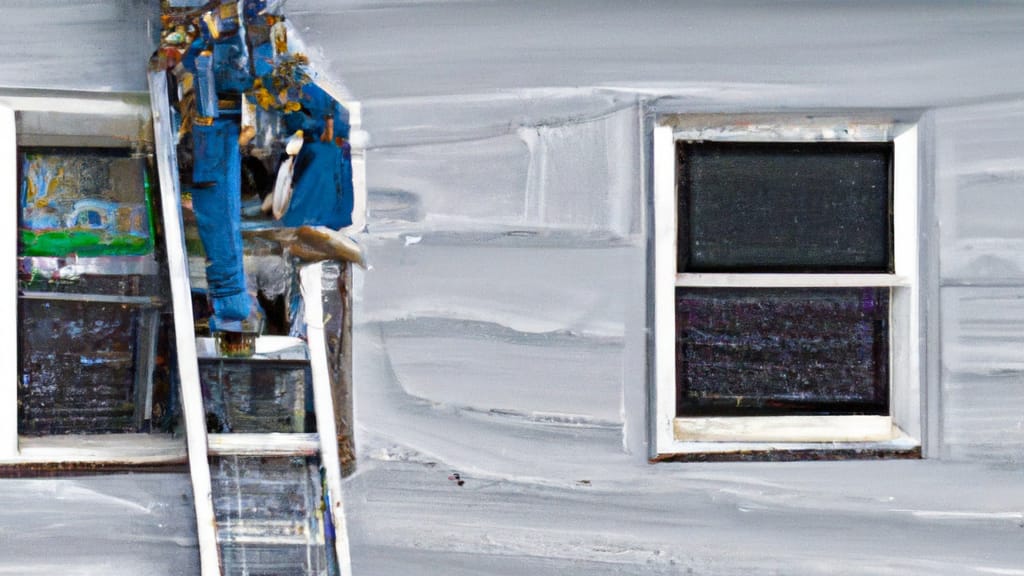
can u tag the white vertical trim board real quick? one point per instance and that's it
(902, 428)
(312, 298)
(9, 284)
(905, 202)
(185, 341)
(664, 284)
(932, 188)
(905, 391)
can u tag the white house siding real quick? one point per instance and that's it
(503, 283)
(979, 190)
(504, 138)
(508, 254)
(983, 373)
(123, 524)
(829, 54)
(96, 45)
(979, 193)
(501, 329)
(875, 518)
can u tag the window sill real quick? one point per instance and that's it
(808, 429)
(98, 450)
(898, 445)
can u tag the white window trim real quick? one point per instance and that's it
(87, 449)
(901, 430)
(9, 287)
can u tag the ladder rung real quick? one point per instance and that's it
(268, 540)
(264, 531)
(268, 348)
(273, 444)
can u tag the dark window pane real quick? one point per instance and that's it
(785, 207)
(77, 368)
(769, 351)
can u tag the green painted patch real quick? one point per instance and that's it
(85, 243)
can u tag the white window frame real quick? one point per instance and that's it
(9, 285)
(901, 429)
(75, 449)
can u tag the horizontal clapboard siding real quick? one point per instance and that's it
(979, 203)
(983, 373)
(979, 187)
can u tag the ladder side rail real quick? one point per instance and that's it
(311, 277)
(184, 328)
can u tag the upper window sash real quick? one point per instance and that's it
(785, 207)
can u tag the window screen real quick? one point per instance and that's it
(772, 351)
(780, 207)
(785, 207)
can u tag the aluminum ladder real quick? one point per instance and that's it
(201, 446)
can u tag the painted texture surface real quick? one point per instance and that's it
(506, 209)
(979, 164)
(810, 518)
(96, 45)
(979, 160)
(917, 53)
(124, 524)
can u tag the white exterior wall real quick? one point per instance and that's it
(94, 45)
(503, 139)
(501, 331)
(507, 286)
(557, 244)
(979, 199)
